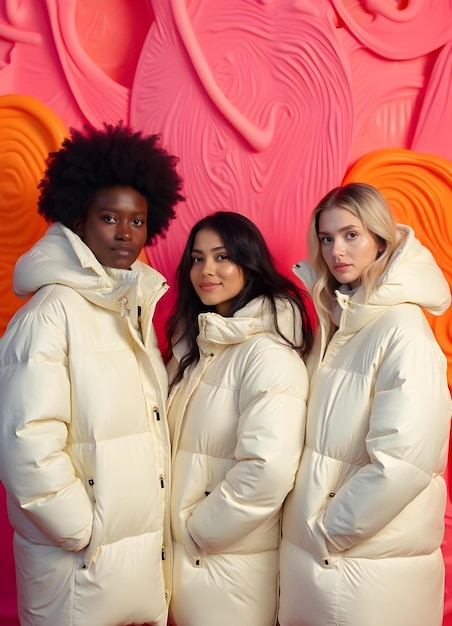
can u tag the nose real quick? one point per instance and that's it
(338, 248)
(124, 232)
(208, 268)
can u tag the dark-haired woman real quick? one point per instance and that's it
(236, 413)
(84, 444)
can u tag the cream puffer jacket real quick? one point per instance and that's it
(237, 426)
(363, 526)
(84, 443)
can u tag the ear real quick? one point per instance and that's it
(78, 228)
(381, 249)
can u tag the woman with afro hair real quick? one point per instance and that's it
(84, 446)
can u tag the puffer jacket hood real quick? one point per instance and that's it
(61, 257)
(216, 331)
(412, 276)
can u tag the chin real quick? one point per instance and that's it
(117, 266)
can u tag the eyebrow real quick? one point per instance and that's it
(350, 226)
(212, 249)
(114, 209)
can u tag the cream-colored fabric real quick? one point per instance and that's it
(84, 443)
(363, 526)
(237, 426)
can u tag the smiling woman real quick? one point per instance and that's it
(216, 279)
(236, 414)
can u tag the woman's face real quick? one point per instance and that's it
(115, 226)
(216, 279)
(347, 247)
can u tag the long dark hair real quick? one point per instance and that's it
(246, 248)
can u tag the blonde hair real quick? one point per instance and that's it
(368, 205)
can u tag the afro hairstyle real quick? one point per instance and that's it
(92, 159)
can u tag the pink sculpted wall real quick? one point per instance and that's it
(268, 104)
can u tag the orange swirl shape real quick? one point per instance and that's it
(28, 132)
(419, 189)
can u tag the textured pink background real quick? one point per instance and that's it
(268, 104)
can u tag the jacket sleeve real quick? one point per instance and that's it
(272, 408)
(37, 473)
(406, 442)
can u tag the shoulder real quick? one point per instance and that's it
(54, 300)
(408, 345)
(405, 322)
(398, 340)
(49, 308)
(268, 363)
(35, 329)
(401, 332)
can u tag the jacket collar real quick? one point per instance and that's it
(61, 257)
(217, 332)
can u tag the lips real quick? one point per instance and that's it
(341, 267)
(123, 251)
(208, 286)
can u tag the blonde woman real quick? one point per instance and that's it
(363, 526)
